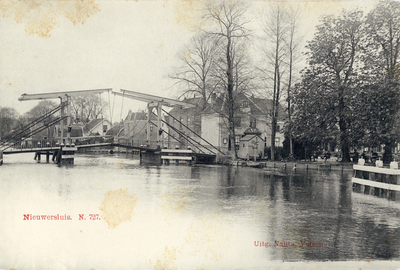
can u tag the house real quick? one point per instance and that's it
(96, 127)
(251, 145)
(116, 131)
(75, 132)
(135, 128)
(250, 112)
(183, 123)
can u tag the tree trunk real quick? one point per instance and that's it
(344, 142)
(229, 73)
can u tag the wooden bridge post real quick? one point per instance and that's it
(149, 111)
(69, 120)
(158, 123)
(62, 121)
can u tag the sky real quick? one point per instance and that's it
(47, 46)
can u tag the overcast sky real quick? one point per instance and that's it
(124, 44)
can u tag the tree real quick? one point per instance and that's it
(382, 53)
(8, 121)
(197, 63)
(43, 107)
(383, 28)
(275, 30)
(87, 107)
(229, 32)
(293, 41)
(333, 54)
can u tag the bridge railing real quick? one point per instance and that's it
(34, 144)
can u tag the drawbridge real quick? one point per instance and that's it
(151, 151)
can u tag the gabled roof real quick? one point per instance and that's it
(115, 130)
(136, 116)
(92, 124)
(249, 137)
(196, 101)
(257, 106)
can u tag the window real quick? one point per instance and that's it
(225, 140)
(253, 122)
(277, 141)
(104, 128)
(245, 104)
(237, 141)
(237, 121)
(181, 121)
(278, 128)
(151, 128)
(188, 121)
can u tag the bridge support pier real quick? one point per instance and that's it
(47, 157)
(150, 157)
(67, 155)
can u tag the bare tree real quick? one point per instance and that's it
(229, 32)
(88, 107)
(275, 28)
(293, 41)
(195, 70)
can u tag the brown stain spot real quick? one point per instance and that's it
(160, 47)
(117, 207)
(80, 231)
(41, 17)
(78, 11)
(9, 83)
(175, 202)
(187, 13)
(368, 261)
(207, 238)
(168, 260)
(120, 164)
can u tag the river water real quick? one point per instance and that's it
(185, 217)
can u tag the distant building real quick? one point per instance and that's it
(185, 122)
(251, 145)
(135, 129)
(250, 112)
(96, 127)
(116, 131)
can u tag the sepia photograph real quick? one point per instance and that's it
(199, 134)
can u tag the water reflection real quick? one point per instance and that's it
(303, 215)
(312, 206)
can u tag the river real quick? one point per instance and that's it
(185, 217)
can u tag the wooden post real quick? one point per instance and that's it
(62, 122)
(69, 120)
(47, 156)
(149, 111)
(158, 123)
